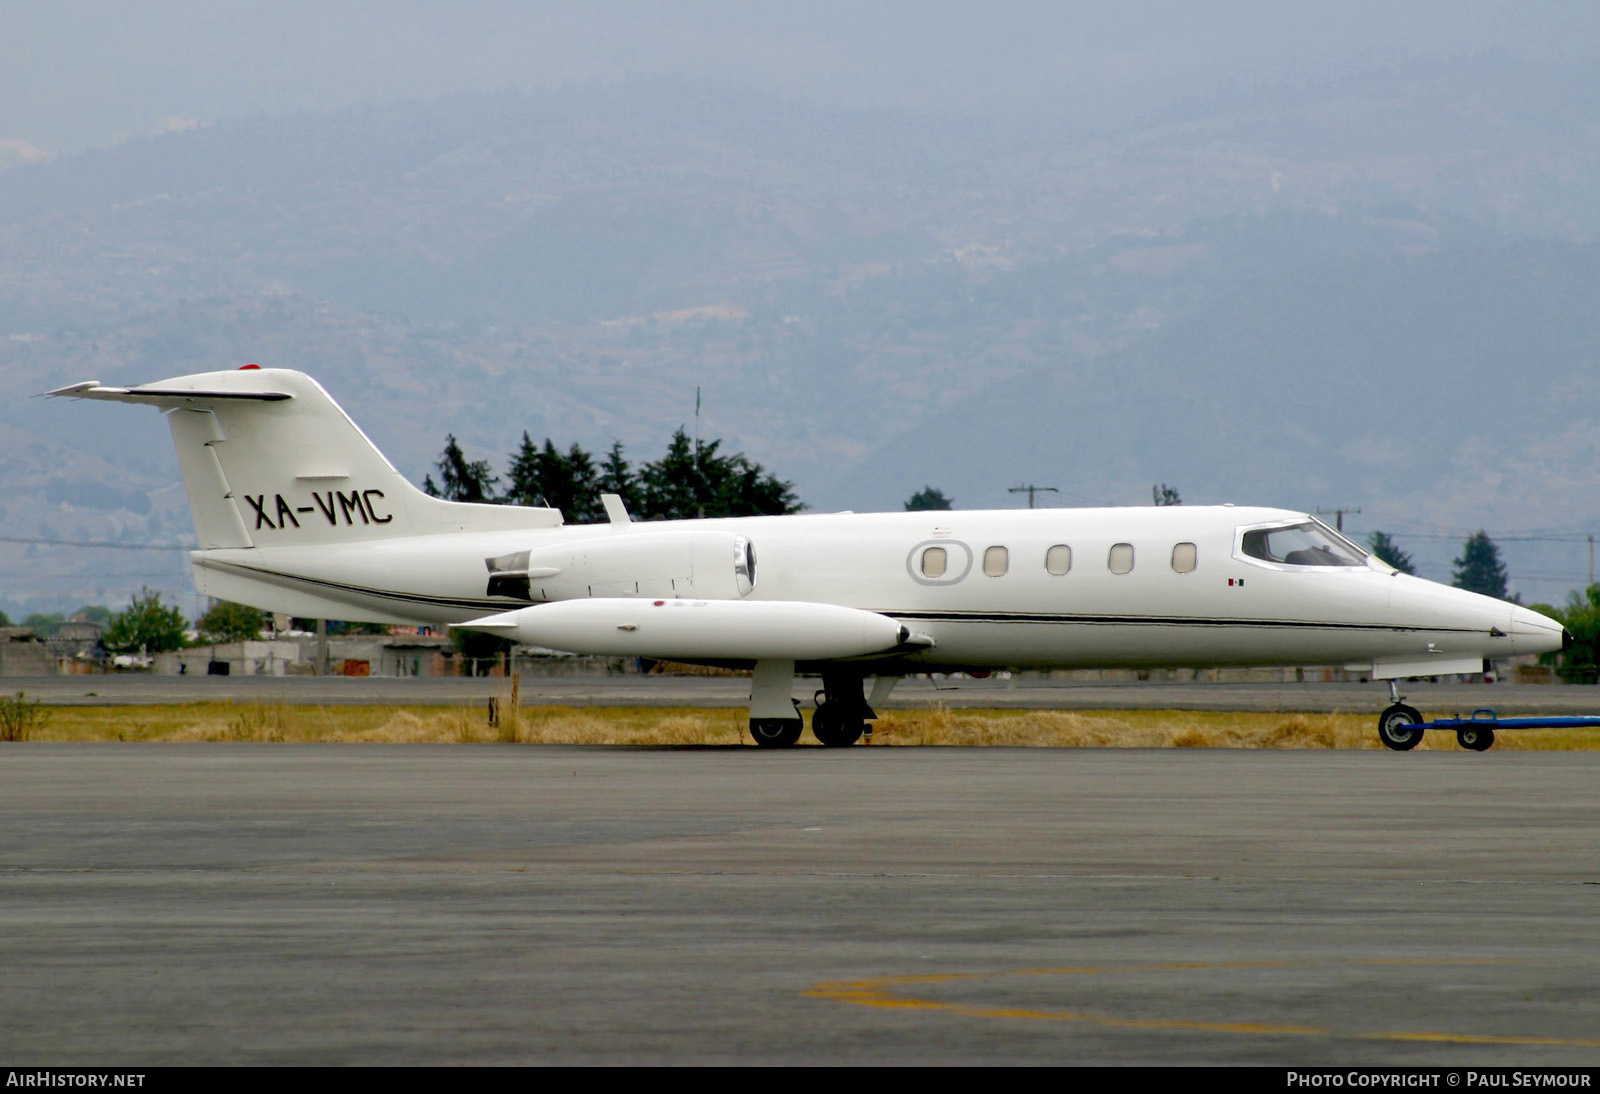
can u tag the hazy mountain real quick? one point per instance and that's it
(1373, 289)
(1434, 391)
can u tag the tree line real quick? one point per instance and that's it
(692, 479)
(1478, 570)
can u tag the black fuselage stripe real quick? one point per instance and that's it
(1160, 621)
(383, 594)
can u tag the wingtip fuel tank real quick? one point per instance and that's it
(712, 630)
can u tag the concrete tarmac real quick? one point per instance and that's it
(702, 691)
(478, 904)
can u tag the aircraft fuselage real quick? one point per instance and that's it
(1213, 605)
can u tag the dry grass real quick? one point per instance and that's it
(1178, 729)
(21, 717)
(659, 726)
(1123, 729)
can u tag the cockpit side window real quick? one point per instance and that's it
(1307, 544)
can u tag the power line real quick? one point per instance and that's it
(1030, 489)
(99, 543)
(1518, 535)
(1338, 515)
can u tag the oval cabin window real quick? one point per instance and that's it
(934, 561)
(1058, 560)
(1120, 561)
(996, 560)
(1184, 557)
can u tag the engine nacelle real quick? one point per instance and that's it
(700, 630)
(668, 564)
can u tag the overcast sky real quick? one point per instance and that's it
(81, 74)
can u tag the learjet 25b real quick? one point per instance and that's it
(298, 512)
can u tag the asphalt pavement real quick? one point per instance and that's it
(703, 691)
(478, 904)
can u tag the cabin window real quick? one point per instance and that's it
(1058, 560)
(1120, 561)
(1184, 557)
(934, 561)
(996, 560)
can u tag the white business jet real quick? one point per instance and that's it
(298, 512)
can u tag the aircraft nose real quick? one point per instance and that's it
(1535, 633)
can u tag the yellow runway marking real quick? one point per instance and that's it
(887, 993)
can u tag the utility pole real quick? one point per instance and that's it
(1338, 516)
(1030, 490)
(1591, 558)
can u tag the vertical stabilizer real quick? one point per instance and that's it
(269, 459)
(217, 521)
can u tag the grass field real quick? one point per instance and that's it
(672, 726)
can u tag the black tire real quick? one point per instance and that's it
(1396, 727)
(776, 732)
(834, 729)
(1476, 739)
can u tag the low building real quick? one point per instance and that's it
(23, 653)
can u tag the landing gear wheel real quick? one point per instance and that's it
(776, 732)
(1478, 740)
(833, 727)
(1397, 727)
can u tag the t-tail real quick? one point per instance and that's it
(270, 460)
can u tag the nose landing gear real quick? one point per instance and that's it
(1399, 725)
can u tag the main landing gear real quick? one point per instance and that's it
(775, 720)
(840, 719)
(842, 712)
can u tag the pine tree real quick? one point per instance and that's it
(583, 504)
(1384, 546)
(695, 480)
(616, 477)
(1479, 569)
(543, 476)
(462, 480)
(523, 486)
(674, 487)
(743, 489)
(927, 499)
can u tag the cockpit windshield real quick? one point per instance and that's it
(1308, 544)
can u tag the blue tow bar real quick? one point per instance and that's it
(1484, 718)
(1399, 727)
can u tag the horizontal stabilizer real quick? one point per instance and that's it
(706, 630)
(270, 460)
(159, 396)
